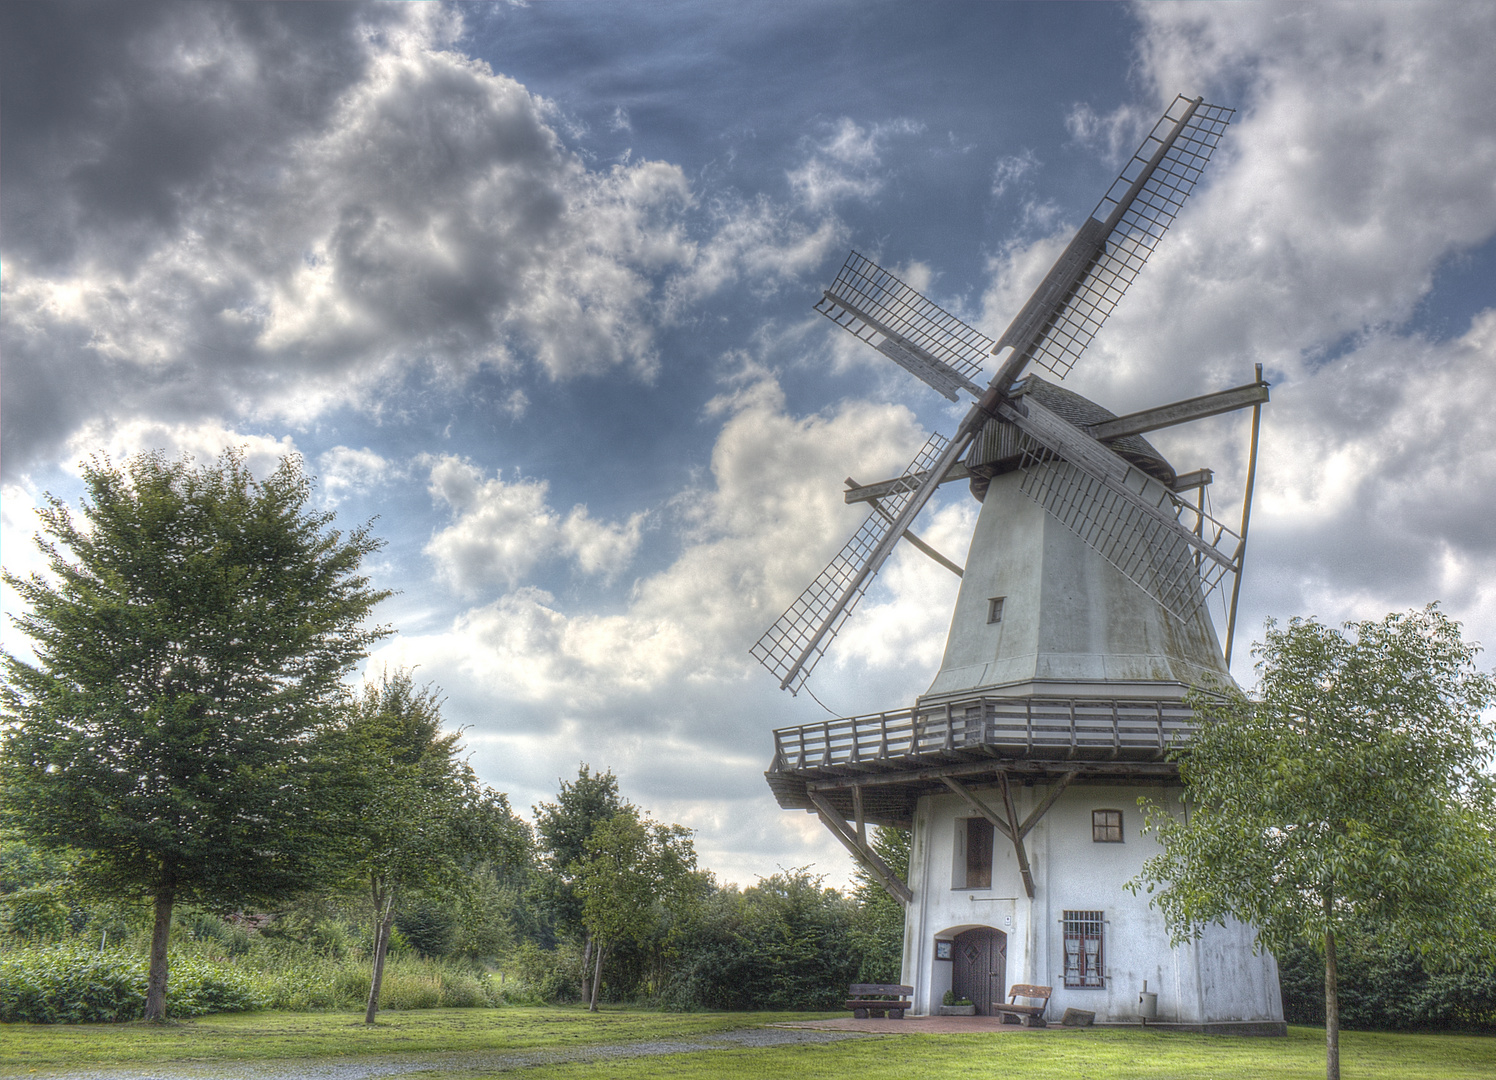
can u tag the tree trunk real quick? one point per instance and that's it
(155, 986)
(384, 919)
(586, 964)
(1332, 1011)
(597, 978)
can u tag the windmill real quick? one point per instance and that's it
(1137, 522)
(1079, 629)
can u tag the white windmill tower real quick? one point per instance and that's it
(1080, 626)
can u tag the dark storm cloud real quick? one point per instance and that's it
(121, 118)
(264, 210)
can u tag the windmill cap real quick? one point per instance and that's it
(999, 447)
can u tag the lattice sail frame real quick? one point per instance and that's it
(785, 644)
(1140, 546)
(1133, 236)
(905, 326)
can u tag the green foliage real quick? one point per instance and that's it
(72, 984)
(1383, 987)
(195, 630)
(1349, 792)
(878, 926)
(412, 818)
(563, 829)
(785, 943)
(549, 976)
(192, 634)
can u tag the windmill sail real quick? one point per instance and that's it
(1090, 277)
(1054, 327)
(908, 328)
(797, 640)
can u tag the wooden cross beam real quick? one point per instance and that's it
(910, 536)
(1008, 824)
(856, 843)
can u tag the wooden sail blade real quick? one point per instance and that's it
(797, 640)
(911, 330)
(1173, 551)
(1095, 270)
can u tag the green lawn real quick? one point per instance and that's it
(461, 1043)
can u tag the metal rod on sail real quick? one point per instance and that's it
(1246, 519)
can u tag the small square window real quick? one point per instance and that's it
(995, 609)
(1106, 826)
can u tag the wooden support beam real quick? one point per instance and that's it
(910, 535)
(1056, 789)
(1180, 412)
(1023, 864)
(1200, 478)
(1164, 770)
(860, 850)
(884, 488)
(857, 813)
(980, 807)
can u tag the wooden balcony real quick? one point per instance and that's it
(893, 757)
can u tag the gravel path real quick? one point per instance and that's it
(475, 1062)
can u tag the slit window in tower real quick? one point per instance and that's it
(995, 609)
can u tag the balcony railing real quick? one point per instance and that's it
(1085, 729)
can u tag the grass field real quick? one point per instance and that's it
(465, 1043)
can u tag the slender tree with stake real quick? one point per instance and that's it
(189, 641)
(1350, 791)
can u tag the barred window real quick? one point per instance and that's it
(1106, 826)
(1084, 952)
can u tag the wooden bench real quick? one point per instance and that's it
(1027, 1015)
(880, 999)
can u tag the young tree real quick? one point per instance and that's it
(636, 870)
(192, 636)
(564, 827)
(1349, 792)
(415, 819)
(878, 929)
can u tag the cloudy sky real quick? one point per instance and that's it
(531, 285)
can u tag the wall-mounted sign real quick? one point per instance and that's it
(943, 949)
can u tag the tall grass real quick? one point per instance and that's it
(68, 982)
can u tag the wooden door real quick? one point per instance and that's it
(981, 967)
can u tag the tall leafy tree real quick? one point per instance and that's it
(191, 637)
(416, 822)
(1349, 792)
(635, 872)
(563, 829)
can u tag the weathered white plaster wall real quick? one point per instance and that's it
(1070, 620)
(1217, 979)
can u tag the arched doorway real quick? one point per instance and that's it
(980, 967)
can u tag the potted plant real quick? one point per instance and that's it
(951, 1005)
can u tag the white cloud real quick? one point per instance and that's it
(503, 531)
(1010, 169)
(771, 519)
(343, 471)
(847, 163)
(202, 440)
